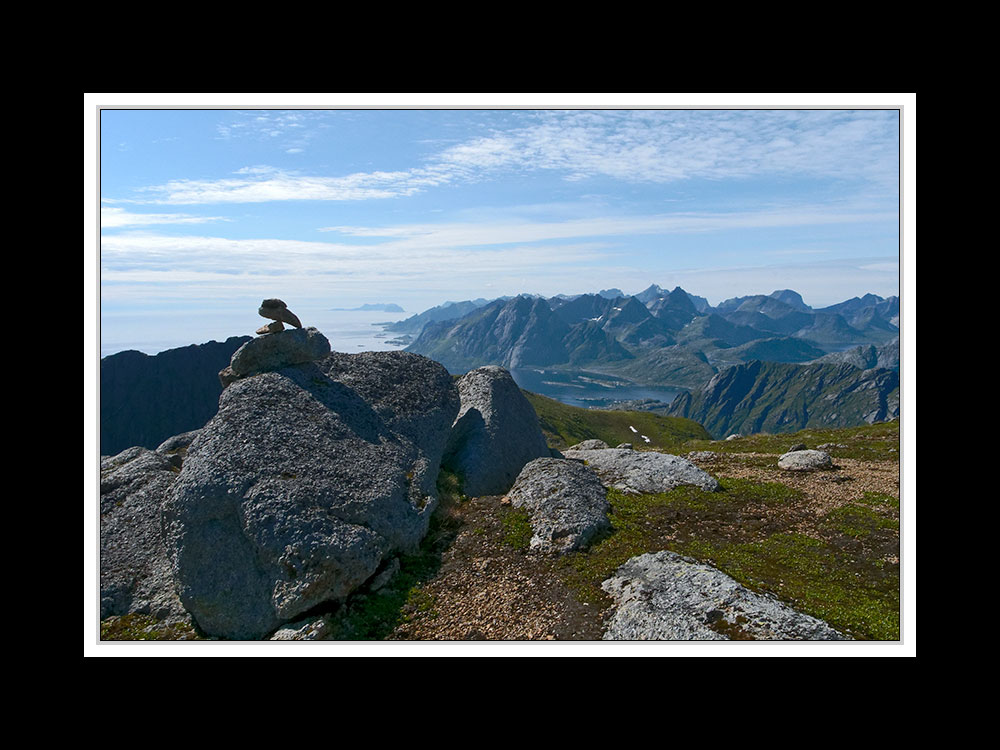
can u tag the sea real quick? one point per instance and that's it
(352, 331)
(587, 389)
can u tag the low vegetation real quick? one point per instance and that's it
(565, 425)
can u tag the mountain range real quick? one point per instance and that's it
(755, 363)
(656, 337)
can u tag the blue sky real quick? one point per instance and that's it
(207, 211)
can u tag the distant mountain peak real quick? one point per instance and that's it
(791, 298)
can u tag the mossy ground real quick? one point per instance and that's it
(838, 567)
(138, 627)
(877, 442)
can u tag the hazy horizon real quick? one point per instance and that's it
(152, 334)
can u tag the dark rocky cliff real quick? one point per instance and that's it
(146, 399)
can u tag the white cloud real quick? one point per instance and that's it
(666, 146)
(115, 218)
(498, 232)
(261, 184)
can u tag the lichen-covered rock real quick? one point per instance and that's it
(309, 629)
(135, 575)
(495, 435)
(805, 460)
(666, 597)
(277, 350)
(567, 502)
(304, 481)
(643, 471)
(590, 445)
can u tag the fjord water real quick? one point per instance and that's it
(587, 389)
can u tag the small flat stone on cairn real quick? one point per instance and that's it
(275, 309)
(272, 327)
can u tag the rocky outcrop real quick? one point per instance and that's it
(643, 471)
(805, 460)
(136, 576)
(567, 502)
(666, 597)
(495, 435)
(304, 482)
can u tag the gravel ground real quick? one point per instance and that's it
(487, 590)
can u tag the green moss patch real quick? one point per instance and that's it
(516, 528)
(854, 596)
(137, 627)
(876, 442)
(860, 521)
(743, 531)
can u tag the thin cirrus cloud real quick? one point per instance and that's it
(457, 234)
(116, 218)
(260, 186)
(633, 147)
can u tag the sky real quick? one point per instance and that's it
(205, 211)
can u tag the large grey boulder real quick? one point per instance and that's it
(304, 481)
(805, 460)
(643, 471)
(567, 502)
(495, 435)
(135, 571)
(663, 596)
(273, 351)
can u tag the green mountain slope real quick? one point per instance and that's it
(772, 397)
(565, 425)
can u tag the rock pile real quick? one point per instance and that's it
(275, 347)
